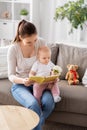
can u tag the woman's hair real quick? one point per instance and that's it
(25, 29)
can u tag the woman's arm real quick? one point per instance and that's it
(12, 63)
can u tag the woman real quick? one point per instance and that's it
(21, 56)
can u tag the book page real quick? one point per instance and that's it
(42, 79)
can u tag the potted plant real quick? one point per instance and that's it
(75, 12)
(23, 13)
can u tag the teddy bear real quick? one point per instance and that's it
(72, 75)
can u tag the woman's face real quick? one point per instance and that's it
(29, 40)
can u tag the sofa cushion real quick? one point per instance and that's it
(51, 125)
(74, 121)
(72, 55)
(74, 98)
(5, 95)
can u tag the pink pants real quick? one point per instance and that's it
(39, 88)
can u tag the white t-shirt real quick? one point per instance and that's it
(17, 64)
(42, 69)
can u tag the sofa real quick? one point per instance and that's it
(71, 112)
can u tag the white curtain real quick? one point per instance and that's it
(58, 31)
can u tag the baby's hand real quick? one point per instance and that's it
(53, 81)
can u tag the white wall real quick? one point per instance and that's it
(36, 14)
(48, 26)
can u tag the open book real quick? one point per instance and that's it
(43, 79)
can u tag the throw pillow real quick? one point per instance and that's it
(69, 54)
(3, 62)
(54, 51)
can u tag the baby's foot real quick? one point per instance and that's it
(57, 99)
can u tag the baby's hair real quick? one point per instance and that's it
(25, 29)
(43, 49)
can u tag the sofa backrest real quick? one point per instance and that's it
(54, 50)
(68, 54)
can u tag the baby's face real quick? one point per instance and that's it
(44, 58)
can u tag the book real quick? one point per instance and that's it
(43, 79)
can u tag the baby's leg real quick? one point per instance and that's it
(56, 92)
(37, 91)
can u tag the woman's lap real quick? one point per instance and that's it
(24, 96)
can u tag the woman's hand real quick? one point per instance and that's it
(27, 82)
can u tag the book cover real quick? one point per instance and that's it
(43, 79)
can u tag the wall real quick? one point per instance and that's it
(36, 14)
(58, 31)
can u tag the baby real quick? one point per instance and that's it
(43, 67)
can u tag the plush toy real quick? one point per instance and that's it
(57, 70)
(72, 75)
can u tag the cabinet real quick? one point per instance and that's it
(10, 16)
(6, 30)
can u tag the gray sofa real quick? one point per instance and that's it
(71, 112)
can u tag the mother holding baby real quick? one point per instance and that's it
(21, 56)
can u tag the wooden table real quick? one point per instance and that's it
(17, 118)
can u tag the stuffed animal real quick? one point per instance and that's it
(57, 70)
(72, 75)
